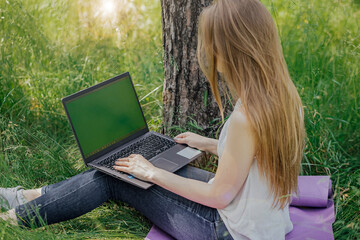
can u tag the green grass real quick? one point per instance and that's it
(48, 50)
(321, 42)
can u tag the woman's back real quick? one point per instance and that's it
(250, 214)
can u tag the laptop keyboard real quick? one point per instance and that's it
(148, 147)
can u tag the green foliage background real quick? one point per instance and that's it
(50, 49)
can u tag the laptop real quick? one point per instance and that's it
(108, 123)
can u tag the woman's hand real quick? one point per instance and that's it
(137, 166)
(197, 141)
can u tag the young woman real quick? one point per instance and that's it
(260, 147)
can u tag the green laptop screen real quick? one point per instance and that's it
(105, 115)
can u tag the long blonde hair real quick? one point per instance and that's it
(241, 35)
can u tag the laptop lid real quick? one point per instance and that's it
(105, 116)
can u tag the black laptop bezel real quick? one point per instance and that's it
(91, 158)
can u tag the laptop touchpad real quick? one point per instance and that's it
(164, 164)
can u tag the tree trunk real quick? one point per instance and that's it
(187, 95)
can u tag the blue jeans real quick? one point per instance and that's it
(176, 215)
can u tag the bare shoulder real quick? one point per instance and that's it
(241, 141)
(240, 129)
(239, 120)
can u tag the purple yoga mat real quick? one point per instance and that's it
(158, 234)
(311, 211)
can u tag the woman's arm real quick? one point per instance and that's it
(197, 141)
(231, 173)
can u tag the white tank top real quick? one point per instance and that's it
(250, 215)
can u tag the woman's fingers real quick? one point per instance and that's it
(122, 169)
(182, 138)
(135, 165)
(182, 135)
(122, 162)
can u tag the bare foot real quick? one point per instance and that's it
(9, 216)
(32, 194)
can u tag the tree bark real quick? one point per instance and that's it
(187, 94)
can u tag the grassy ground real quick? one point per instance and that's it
(50, 49)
